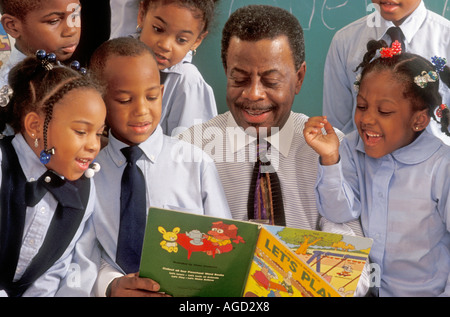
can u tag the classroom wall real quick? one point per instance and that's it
(320, 20)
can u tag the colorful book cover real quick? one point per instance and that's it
(330, 264)
(195, 255)
(191, 255)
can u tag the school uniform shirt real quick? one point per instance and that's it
(37, 222)
(123, 17)
(187, 98)
(186, 182)
(15, 57)
(426, 34)
(402, 201)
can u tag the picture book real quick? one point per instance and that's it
(192, 255)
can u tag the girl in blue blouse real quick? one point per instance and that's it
(391, 173)
(174, 30)
(46, 200)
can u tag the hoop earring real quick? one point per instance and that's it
(194, 52)
(138, 29)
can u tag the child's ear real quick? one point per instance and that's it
(141, 15)
(199, 41)
(12, 25)
(420, 121)
(33, 124)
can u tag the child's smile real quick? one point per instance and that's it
(384, 117)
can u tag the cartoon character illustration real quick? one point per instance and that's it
(170, 239)
(305, 245)
(221, 235)
(196, 236)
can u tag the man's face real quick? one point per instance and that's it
(262, 82)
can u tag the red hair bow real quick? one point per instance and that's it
(388, 52)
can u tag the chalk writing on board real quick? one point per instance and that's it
(305, 6)
(323, 9)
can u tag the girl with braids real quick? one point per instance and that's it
(174, 29)
(391, 173)
(58, 116)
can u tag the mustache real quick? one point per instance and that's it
(254, 106)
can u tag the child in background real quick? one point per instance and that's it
(58, 116)
(391, 172)
(53, 26)
(174, 30)
(129, 71)
(423, 32)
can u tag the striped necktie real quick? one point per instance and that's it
(265, 202)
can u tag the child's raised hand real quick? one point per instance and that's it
(326, 145)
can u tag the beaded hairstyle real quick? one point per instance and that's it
(411, 69)
(37, 84)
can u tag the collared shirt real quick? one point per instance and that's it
(234, 152)
(178, 176)
(37, 222)
(402, 201)
(187, 98)
(426, 34)
(123, 17)
(15, 57)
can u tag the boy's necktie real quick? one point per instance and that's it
(396, 34)
(265, 202)
(132, 213)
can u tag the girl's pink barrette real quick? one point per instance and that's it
(388, 52)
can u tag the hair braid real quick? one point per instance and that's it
(50, 103)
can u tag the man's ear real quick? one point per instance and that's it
(301, 72)
(12, 25)
(420, 120)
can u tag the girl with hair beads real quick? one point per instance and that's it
(391, 173)
(174, 29)
(58, 116)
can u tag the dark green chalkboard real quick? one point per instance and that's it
(320, 20)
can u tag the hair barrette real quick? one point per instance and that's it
(439, 63)
(440, 109)
(423, 79)
(388, 52)
(357, 82)
(77, 66)
(46, 59)
(5, 95)
(46, 155)
(93, 168)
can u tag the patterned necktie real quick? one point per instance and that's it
(132, 213)
(265, 202)
(396, 34)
